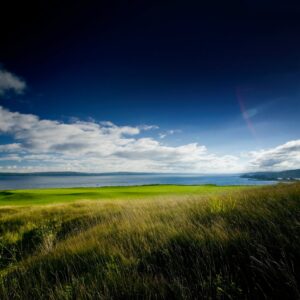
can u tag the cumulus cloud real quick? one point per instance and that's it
(10, 82)
(100, 147)
(283, 157)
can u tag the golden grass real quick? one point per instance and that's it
(242, 244)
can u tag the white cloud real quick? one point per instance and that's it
(164, 134)
(100, 147)
(10, 147)
(10, 82)
(283, 157)
(148, 127)
(40, 144)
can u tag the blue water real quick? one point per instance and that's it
(37, 181)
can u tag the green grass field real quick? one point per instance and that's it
(171, 242)
(52, 196)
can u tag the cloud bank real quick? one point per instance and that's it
(10, 82)
(40, 144)
(283, 157)
(50, 145)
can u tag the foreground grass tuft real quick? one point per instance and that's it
(234, 244)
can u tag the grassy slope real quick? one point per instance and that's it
(244, 243)
(50, 196)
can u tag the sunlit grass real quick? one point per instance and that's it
(230, 243)
(62, 195)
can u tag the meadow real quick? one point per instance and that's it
(151, 242)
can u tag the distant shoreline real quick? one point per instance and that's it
(287, 176)
(36, 181)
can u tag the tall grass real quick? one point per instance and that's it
(244, 244)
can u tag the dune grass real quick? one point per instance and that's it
(241, 243)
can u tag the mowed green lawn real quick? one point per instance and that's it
(61, 195)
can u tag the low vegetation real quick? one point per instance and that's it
(151, 242)
(63, 195)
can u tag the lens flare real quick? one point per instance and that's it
(244, 111)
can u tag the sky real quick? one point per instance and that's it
(150, 86)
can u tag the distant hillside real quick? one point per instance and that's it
(282, 175)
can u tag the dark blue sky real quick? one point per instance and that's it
(180, 65)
